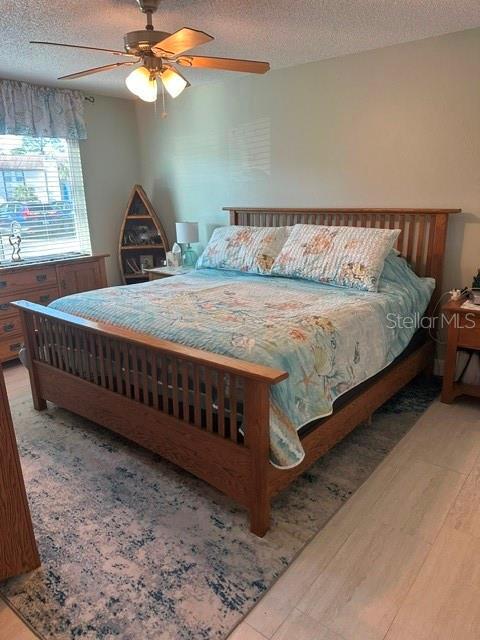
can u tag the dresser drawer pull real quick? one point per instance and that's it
(16, 347)
(3, 284)
(4, 306)
(41, 277)
(8, 327)
(44, 299)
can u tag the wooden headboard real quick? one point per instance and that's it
(421, 242)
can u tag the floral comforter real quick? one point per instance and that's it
(329, 339)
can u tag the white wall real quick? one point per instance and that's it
(398, 126)
(111, 166)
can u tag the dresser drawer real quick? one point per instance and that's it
(10, 325)
(10, 346)
(42, 296)
(24, 279)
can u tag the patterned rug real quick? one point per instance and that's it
(135, 548)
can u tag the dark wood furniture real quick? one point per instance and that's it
(42, 282)
(18, 549)
(141, 234)
(463, 332)
(187, 404)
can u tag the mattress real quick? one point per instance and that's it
(329, 339)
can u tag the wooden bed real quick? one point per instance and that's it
(134, 385)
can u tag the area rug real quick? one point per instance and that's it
(135, 548)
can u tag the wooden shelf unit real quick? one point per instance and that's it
(140, 222)
(138, 247)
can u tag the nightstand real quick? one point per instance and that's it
(463, 332)
(167, 272)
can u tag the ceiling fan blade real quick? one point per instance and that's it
(224, 64)
(180, 41)
(81, 46)
(87, 72)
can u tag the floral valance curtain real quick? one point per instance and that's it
(41, 112)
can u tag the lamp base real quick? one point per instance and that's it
(189, 257)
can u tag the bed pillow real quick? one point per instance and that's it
(398, 271)
(249, 249)
(341, 256)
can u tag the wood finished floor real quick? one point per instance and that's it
(400, 560)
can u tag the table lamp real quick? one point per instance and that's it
(187, 232)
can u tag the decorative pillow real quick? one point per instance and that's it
(237, 248)
(342, 256)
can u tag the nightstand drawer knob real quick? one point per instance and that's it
(16, 346)
(44, 299)
(8, 327)
(41, 277)
(4, 306)
(3, 284)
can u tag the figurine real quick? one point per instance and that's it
(15, 239)
(176, 255)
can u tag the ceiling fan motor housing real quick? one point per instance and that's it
(140, 42)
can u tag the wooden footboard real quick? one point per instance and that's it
(205, 412)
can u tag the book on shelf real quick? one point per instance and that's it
(133, 266)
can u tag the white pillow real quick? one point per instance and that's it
(342, 256)
(249, 249)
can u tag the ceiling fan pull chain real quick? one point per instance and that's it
(164, 113)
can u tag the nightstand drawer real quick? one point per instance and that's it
(24, 279)
(469, 331)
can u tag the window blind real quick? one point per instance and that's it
(42, 197)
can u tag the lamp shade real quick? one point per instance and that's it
(142, 84)
(173, 82)
(187, 232)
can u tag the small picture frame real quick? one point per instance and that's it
(147, 262)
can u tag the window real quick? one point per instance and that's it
(42, 197)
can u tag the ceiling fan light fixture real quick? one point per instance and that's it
(141, 83)
(173, 82)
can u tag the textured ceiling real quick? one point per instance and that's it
(282, 32)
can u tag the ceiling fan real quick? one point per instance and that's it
(159, 52)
